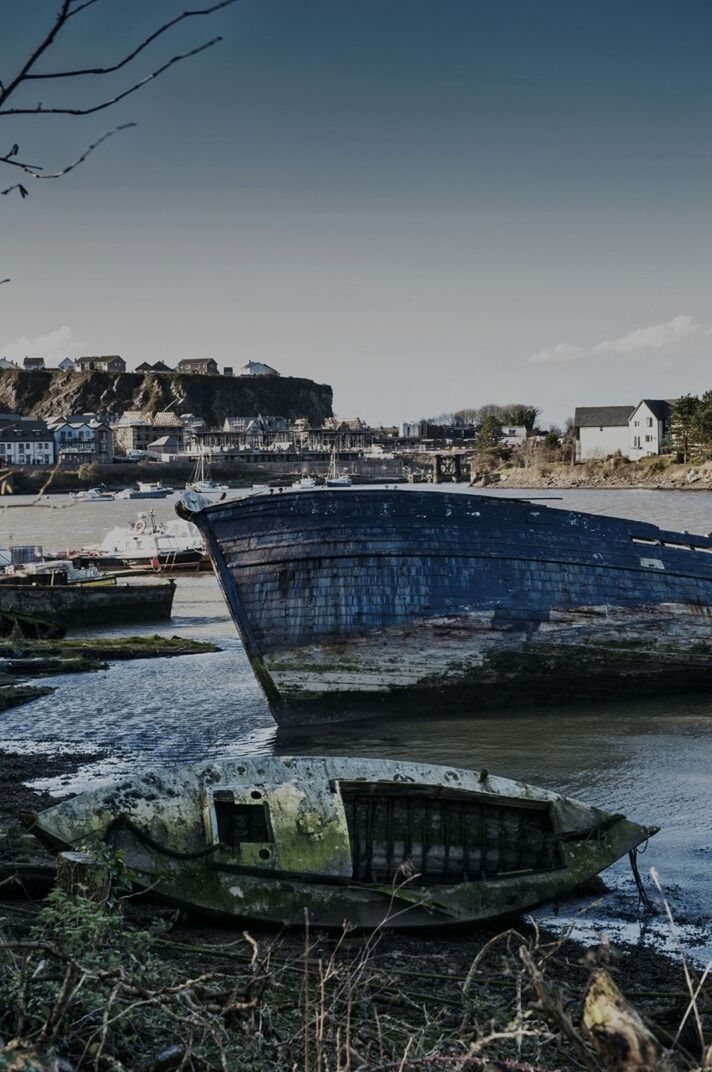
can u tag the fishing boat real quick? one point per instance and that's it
(335, 477)
(174, 546)
(305, 483)
(202, 482)
(77, 597)
(145, 490)
(99, 494)
(391, 603)
(371, 842)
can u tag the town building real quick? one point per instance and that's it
(66, 365)
(25, 441)
(33, 364)
(166, 448)
(107, 363)
(82, 437)
(5, 363)
(257, 368)
(201, 366)
(411, 430)
(228, 370)
(135, 431)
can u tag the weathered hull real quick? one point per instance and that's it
(88, 605)
(371, 842)
(361, 603)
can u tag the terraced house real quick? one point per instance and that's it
(25, 441)
(81, 438)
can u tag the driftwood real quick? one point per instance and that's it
(617, 1032)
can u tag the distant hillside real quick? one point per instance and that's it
(49, 393)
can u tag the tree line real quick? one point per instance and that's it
(690, 427)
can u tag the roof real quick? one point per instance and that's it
(166, 441)
(659, 407)
(259, 366)
(602, 416)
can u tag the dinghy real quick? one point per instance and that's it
(373, 842)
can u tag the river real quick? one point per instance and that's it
(650, 759)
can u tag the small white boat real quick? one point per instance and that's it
(305, 482)
(175, 545)
(337, 478)
(99, 494)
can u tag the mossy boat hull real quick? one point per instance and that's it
(276, 840)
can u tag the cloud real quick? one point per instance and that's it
(653, 337)
(53, 346)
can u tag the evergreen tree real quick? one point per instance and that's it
(683, 421)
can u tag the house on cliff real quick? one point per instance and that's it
(257, 368)
(201, 366)
(33, 364)
(107, 363)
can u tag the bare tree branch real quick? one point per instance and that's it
(47, 41)
(38, 172)
(144, 44)
(39, 110)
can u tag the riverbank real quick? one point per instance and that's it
(654, 473)
(127, 985)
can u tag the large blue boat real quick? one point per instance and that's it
(357, 603)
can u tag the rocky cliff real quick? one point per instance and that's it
(51, 393)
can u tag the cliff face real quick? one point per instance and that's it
(51, 393)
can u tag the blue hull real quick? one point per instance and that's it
(364, 602)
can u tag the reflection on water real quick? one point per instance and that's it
(650, 759)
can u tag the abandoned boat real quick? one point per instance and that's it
(367, 602)
(374, 842)
(72, 596)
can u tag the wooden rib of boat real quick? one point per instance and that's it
(372, 842)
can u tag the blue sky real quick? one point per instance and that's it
(426, 203)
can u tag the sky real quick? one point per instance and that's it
(428, 204)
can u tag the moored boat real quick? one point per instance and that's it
(335, 477)
(383, 603)
(145, 490)
(62, 593)
(99, 494)
(371, 842)
(146, 543)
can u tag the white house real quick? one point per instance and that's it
(257, 368)
(24, 441)
(602, 431)
(513, 435)
(647, 427)
(66, 365)
(5, 363)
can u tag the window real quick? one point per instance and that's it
(636, 424)
(650, 422)
(648, 439)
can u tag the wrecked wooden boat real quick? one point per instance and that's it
(372, 602)
(15, 622)
(371, 842)
(53, 591)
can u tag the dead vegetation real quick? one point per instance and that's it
(99, 983)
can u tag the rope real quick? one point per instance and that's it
(643, 898)
(123, 821)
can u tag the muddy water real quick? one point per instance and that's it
(650, 759)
